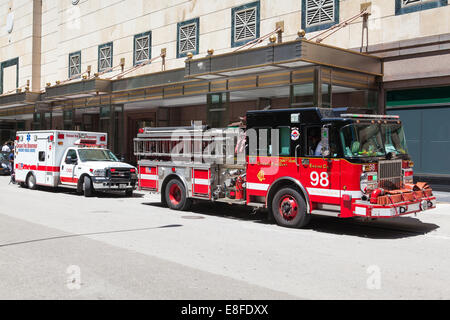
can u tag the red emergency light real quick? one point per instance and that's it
(17, 138)
(141, 130)
(409, 173)
(102, 138)
(133, 170)
(61, 136)
(113, 170)
(51, 138)
(88, 142)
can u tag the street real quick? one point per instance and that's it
(55, 244)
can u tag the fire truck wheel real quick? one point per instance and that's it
(31, 182)
(88, 189)
(175, 194)
(289, 209)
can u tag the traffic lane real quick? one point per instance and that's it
(326, 261)
(43, 263)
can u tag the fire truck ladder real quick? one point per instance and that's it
(190, 144)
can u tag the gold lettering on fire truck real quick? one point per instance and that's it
(318, 166)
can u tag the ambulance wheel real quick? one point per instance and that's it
(31, 182)
(175, 194)
(88, 189)
(289, 209)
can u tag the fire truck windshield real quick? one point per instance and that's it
(96, 155)
(373, 140)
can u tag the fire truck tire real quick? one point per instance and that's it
(88, 189)
(175, 196)
(289, 209)
(31, 182)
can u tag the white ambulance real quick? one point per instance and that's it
(73, 159)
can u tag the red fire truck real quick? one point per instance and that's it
(294, 162)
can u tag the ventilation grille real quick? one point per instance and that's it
(390, 174)
(319, 12)
(245, 24)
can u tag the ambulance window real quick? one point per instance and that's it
(72, 154)
(41, 156)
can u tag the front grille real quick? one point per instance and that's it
(390, 174)
(119, 174)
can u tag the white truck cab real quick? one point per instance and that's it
(71, 159)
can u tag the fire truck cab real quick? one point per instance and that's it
(70, 159)
(297, 162)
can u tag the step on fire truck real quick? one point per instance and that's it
(294, 162)
(70, 159)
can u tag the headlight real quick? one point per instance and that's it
(4, 166)
(100, 173)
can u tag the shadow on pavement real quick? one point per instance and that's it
(69, 191)
(395, 228)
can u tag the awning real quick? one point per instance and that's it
(76, 90)
(274, 57)
(19, 99)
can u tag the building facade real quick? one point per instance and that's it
(118, 65)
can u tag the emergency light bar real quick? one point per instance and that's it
(370, 116)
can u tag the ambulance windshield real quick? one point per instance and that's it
(373, 140)
(96, 155)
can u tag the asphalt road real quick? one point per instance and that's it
(58, 245)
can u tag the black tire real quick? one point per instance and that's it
(129, 193)
(22, 184)
(31, 182)
(289, 209)
(88, 188)
(175, 196)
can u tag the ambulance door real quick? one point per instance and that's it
(68, 168)
(44, 175)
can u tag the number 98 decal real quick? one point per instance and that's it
(321, 179)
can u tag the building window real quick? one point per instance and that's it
(245, 23)
(188, 37)
(408, 6)
(9, 75)
(105, 57)
(319, 14)
(142, 47)
(74, 64)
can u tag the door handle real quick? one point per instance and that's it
(296, 155)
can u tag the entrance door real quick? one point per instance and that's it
(136, 122)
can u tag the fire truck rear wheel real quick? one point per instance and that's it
(31, 182)
(289, 209)
(175, 196)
